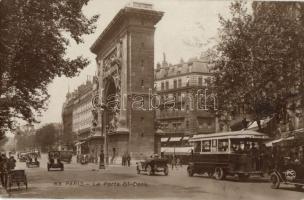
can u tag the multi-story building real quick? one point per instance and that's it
(78, 119)
(67, 136)
(82, 111)
(186, 100)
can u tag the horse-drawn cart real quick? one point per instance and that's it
(16, 177)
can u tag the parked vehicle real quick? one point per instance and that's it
(84, 159)
(32, 160)
(16, 177)
(227, 153)
(66, 156)
(289, 162)
(22, 156)
(54, 161)
(153, 165)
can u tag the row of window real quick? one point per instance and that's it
(212, 146)
(178, 83)
(84, 107)
(174, 125)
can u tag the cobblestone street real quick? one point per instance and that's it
(87, 181)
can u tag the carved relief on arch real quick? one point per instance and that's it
(112, 74)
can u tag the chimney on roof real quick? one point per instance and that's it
(182, 61)
(165, 64)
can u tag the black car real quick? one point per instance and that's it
(54, 161)
(153, 165)
(289, 172)
(32, 160)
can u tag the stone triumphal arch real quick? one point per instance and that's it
(125, 59)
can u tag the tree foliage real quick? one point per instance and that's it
(260, 58)
(46, 136)
(33, 47)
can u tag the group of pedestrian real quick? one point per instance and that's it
(126, 159)
(6, 165)
(175, 162)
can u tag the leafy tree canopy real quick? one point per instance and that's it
(33, 52)
(259, 60)
(47, 135)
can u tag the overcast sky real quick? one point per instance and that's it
(182, 23)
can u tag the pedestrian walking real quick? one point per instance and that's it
(173, 162)
(101, 160)
(123, 159)
(178, 162)
(128, 159)
(4, 170)
(12, 163)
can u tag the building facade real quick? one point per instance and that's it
(78, 118)
(186, 100)
(67, 137)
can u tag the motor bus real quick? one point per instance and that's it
(227, 153)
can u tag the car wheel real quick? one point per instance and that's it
(219, 173)
(149, 170)
(275, 181)
(190, 171)
(166, 171)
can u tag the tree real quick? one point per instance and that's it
(260, 64)
(46, 136)
(33, 47)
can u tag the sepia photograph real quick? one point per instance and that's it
(152, 99)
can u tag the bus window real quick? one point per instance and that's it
(223, 145)
(214, 146)
(197, 146)
(235, 146)
(206, 146)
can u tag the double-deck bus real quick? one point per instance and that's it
(227, 153)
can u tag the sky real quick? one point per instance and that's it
(184, 22)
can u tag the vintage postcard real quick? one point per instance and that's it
(158, 99)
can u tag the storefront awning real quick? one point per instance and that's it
(164, 139)
(175, 139)
(269, 144)
(79, 143)
(186, 138)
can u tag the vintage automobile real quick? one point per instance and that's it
(289, 162)
(289, 173)
(16, 177)
(66, 156)
(226, 153)
(84, 159)
(54, 161)
(22, 156)
(32, 160)
(153, 165)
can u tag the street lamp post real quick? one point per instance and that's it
(105, 130)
